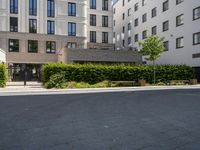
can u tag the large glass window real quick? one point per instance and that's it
(71, 9)
(14, 6)
(71, 29)
(92, 20)
(179, 43)
(154, 30)
(13, 45)
(50, 8)
(51, 47)
(179, 20)
(104, 21)
(71, 45)
(32, 25)
(165, 26)
(93, 36)
(196, 38)
(32, 46)
(93, 4)
(136, 22)
(33, 7)
(166, 45)
(144, 34)
(144, 18)
(179, 1)
(13, 24)
(104, 37)
(50, 27)
(165, 5)
(196, 13)
(154, 12)
(104, 4)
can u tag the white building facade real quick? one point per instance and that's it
(178, 21)
(35, 32)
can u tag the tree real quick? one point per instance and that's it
(152, 47)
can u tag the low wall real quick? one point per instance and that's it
(99, 56)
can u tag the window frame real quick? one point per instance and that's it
(178, 47)
(194, 38)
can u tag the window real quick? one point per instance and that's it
(123, 29)
(123, 43)
(93, 36)
(13, 24)
(32, 46)
(136, 22)
(154, 12)
(179, 1)
(196, 55)
(154, 30)
(123, 2)
(71, 45)
(50, 8)
(14, 6)
(165, 5)
(123, 16)
(196, 38)
(50, 27)
(166, 45)
(71, 9)
(129, 26)
(129, 40)
(51, 47)
(179, 43)
(129, 11)
(33, 7)
(93, 4)
(32, 25)
(144, 34)
(104, 21)
(136, 37)
(136, 7)
(165, 26)
(179, 20)
(104, 4)
(114, 11)
(104, 37)
(13, 45)
(114, 22)
(143, 2)
(144, 18)
(92, 20)
(196, 13)
(71, 29)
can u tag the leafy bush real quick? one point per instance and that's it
(3, 75)
(56, 81)
(93, 73)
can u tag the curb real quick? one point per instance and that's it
(41, 91)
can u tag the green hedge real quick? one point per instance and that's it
(3, 75)
(93, 73)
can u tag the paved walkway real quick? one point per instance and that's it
(34, 88)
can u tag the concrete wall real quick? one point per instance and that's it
(94, 55)
(2, 56)
(41, 56)
(173, 56)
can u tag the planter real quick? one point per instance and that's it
(193, 82)
(141, 82)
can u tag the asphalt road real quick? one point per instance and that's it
(150, 120)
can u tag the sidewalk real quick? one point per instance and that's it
(37, 89)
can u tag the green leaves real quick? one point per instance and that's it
(152, 47)
(3, 75)
(93, 73)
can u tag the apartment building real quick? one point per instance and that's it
(35, 32)
(178, 21)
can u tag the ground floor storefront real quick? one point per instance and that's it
(22, 72)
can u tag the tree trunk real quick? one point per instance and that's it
(154, 73)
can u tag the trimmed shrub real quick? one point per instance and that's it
(3, 75)
(95, 73)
